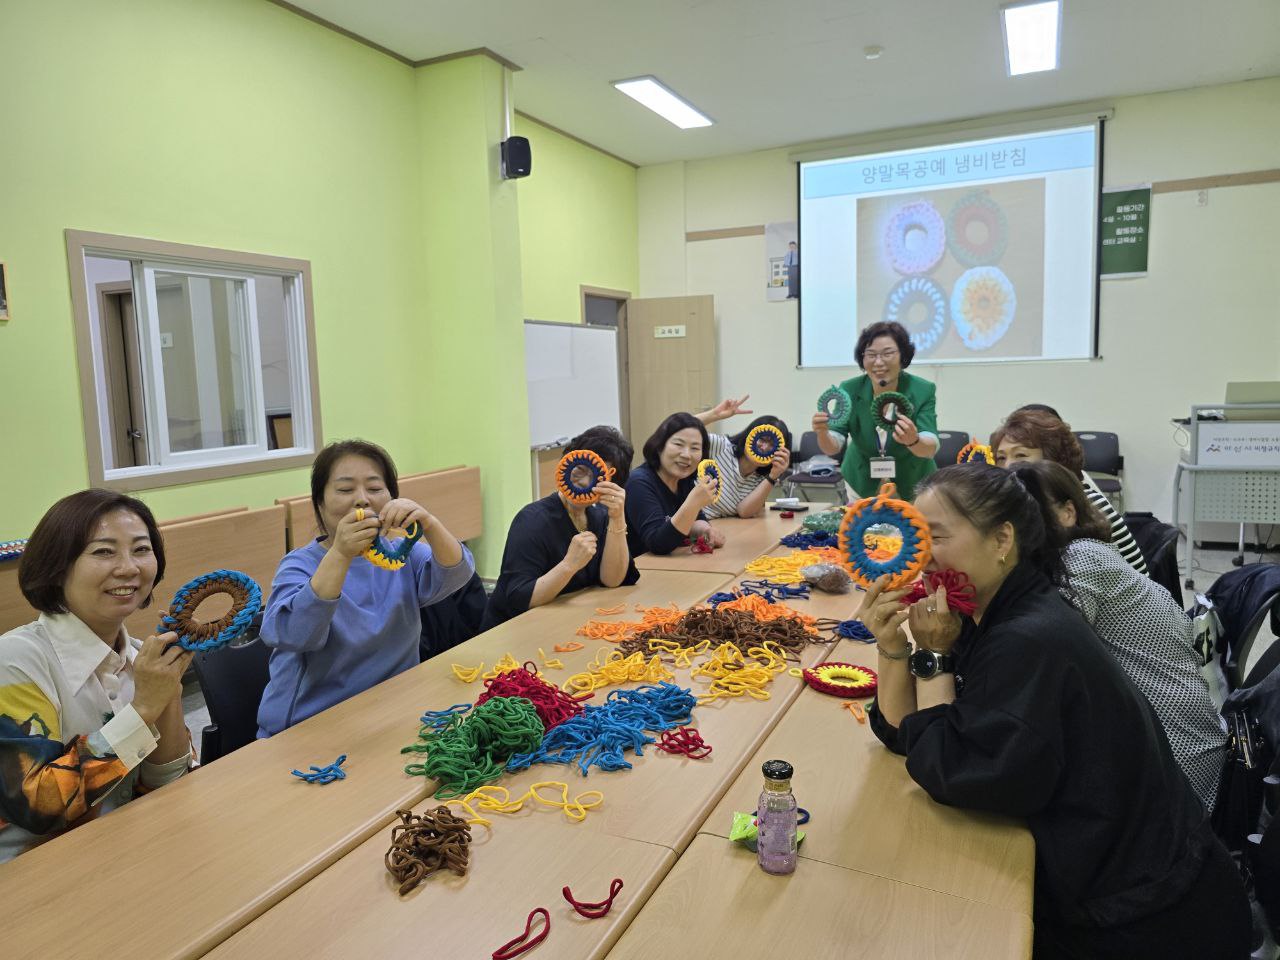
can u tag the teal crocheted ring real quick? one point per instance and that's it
(838, 416)
(904, 408)
(246, 601)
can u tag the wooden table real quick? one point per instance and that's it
(221, 846)
(744, 541)
(353, 909)
(716, 902)
(869, 815)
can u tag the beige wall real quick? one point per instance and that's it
(1207, 312)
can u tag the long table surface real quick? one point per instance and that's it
(744, 541)
(212, 851)
(717, 902)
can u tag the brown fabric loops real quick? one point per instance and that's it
(737, 627)
(422, 844)
(189, 627)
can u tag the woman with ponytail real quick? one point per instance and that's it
(1020, 710)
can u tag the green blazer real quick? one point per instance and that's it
(863, 443)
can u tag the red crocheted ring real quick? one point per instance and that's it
(841, 679)
(594, 911)
(518, 945)
(685, 740)
(962, 595)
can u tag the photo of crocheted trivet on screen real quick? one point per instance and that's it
(961, 268)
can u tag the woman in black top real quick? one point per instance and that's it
(664, 498)
(556, 547)
(1029, 716)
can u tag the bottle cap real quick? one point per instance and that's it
(777, 770)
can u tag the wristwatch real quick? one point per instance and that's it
(925, 664)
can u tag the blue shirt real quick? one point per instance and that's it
(324, 651)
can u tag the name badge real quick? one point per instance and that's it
(882, 468)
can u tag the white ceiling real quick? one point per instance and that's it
(778, 72)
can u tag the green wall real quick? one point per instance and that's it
(578, 224)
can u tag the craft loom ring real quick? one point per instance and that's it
(708, 468)
(977, 207)
(907, 294)
(983, 304)
(246, 601)
(753, 443)
(973, 452)
(923, 253)
(841, 679)
(837, 418)
(912, 554)
(905, 408)
(600, 471)
(381, 555)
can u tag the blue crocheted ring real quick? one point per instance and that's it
(585, 494)
(246, 601)
(913, 555)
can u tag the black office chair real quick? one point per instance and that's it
(232, 679)
(454, 620)
(802, 477)
(1103, 462)
(1158, 542)
(950, 443)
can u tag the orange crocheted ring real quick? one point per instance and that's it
(584, 494)
(882, 536)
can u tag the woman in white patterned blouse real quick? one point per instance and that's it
(1137, 620)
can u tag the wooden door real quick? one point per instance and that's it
(671, 360)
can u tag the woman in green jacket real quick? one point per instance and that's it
(884, 350)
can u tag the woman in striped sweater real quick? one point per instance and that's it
(744, 484)
(1036, 432)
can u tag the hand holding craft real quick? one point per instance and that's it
(356, 532)
(934, 625)
(402, 513)
(157, 675)
(705, 491)
(883, 614)
(781, 460)
(613, 498)
(905, 431)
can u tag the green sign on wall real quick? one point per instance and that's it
(1125, 229)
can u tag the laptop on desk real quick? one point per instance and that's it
(1256, 391)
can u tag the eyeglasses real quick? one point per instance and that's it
(886, 356)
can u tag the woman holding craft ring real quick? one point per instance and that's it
(338, 623)
(89, 716)
(871, 453)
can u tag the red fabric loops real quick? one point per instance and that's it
(552, 704)
(594, 911)
(701, 545)
(962, 595)
(518, 945)
(685, 740)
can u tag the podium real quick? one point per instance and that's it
(1233, 471)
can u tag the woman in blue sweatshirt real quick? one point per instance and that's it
(337, 624)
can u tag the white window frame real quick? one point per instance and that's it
(177, 467)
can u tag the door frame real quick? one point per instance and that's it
(624, 363)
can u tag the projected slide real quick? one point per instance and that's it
(982, 250)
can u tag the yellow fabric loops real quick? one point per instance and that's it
(549, 664)
(683, 656)
(734, 675)
(492, 798)
(505, 665)
(786, 569)
(615, 668)
(467, 674)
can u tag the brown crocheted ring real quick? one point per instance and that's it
(423, 843)
(246, 601)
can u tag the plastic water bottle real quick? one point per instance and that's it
(776, 814)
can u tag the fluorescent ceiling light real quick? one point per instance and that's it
(662, 101)
(1031, 36)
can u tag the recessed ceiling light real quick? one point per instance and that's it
(663, 101)
(873, 52)
(1031, 36)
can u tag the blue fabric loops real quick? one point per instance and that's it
(854, 630)
(772, 592)
(600, 735)
(437, 720)
(327, 774)
(802, 540)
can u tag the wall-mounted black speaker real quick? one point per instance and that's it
(517, 158)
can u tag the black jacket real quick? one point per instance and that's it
(538, 540)
(1046, 726)
(650, 507)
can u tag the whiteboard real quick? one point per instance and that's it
(572, 375)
